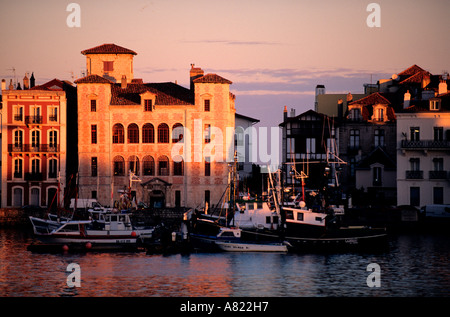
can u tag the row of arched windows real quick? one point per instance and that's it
(148, 133)
(150, 167)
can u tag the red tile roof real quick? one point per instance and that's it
(54, 84)
(417, 77)
(108, 49)
(212, 78)
(372, 99)
(414, 69)
(93, 79)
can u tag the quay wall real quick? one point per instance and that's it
(12, 217)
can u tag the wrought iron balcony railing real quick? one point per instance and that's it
(414, 174)
(425, 144)
(438, 175)
(33, 148)
(33, 119)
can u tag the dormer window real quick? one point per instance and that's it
(148, 105)
(148, 101)
(435, 104)
(379, 113)
(355, 114)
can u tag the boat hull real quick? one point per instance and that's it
(251, 247)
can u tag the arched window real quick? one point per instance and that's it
(133, 133)
(117, 133)
(119, 166)
(148, 133)
(52, 168)
(35, 140)
(163, 133)
(35, 166)
(178, 166)
(17, 196)
(163, 166)
(18, 167)
(133, 164)
(53, 139)
(148, 165)
(35, 196)
(18, 140)
(177, 132)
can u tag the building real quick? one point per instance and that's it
(168, 144)
(423, 141)
(34, 143)
(245, 134)
(328, 103)
(308, 148)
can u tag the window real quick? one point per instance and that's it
(94, 194)
(207, 133)
(119, 166)
(415, 133)
(178, 166)
(438, 195)
(438, 164)
(93, 105)
(53, 114)
(148, 133)
(379, 114)
(118, 133)
(18, 140)
(35, 166)
(177, 198)
(163, 133)
(148, 105)
(354, 139)
(35, 140)
(435, 104)
(163, 166)
(310, 145)
(18, 113)
(18, 168)
(207, 105)
(108, 66)
(414, 196)
(52, 168)
(94, 134)
(207, 166)
(133, 133)
(379, 138)
(438, 133)
(53, 139)
(94, 166)
(148, 165)
(133, 164)
(377, 176)
(35, 115)
(352, 163)
(355, 114)
(415, 164)
(177, 132)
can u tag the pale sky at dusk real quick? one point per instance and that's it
(274, 52)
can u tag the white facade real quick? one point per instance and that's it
(423, 159)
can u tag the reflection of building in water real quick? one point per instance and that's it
(128, 125)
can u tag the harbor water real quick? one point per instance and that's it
(414, 265)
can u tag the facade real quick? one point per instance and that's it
(308, 143)
(423, 141)
(34, 147)
(175, 142)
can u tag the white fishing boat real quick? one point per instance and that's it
(104, 230)
(241, 246)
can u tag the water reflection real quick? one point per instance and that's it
(416, 265)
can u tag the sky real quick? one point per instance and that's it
(274, 52)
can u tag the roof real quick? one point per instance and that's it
(212, 78)
(166, 94)
(417, 77)
(414, 69)
(108, 49)
(246, 118)
(372, 99)
(93, 79)
(54, 84)
(378, 155)
(305, 114)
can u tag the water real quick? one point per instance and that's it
(415, 265)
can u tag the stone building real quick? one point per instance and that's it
(167, 144)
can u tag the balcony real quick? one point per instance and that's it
(33, 119)
(425, 145)
(33, 148)
(414, 174)
(34, 177)
(438, 175)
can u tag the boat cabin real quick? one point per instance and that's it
(305, 216)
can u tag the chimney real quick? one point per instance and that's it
(32, 80)
(442, 87)
(292, 113)
(406, 99)
(123, 83)
(3, 84)
(195, 73)
(11, 86)
(26, 82)
(285, 113)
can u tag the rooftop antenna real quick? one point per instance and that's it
(15, 78)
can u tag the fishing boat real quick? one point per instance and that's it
(103, 230)
(241, 246)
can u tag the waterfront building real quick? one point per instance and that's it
(34, 143)
(169, 144)
(423, 142)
